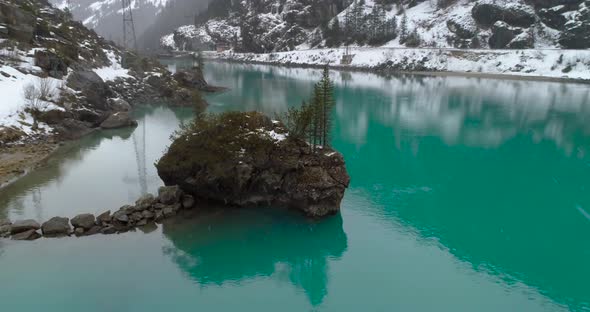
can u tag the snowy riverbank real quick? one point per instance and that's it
(545, 64)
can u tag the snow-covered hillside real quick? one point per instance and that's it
(283, 25)
(550, 63)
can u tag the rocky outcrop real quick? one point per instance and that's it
(56, 226)
(553, 17)
(118, 120)
(94, 89)
(51, 63)
(577, 31)
(503, 34)
(246, 159)
(486, 14)
(23, 226)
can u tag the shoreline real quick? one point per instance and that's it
(389, 72)
(17, 161)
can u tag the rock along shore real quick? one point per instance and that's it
(148, 209)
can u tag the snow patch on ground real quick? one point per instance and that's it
(114, 71)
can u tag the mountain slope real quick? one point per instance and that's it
(283, 25)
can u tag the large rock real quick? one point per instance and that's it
(463, 27)
(85, 221)
(553, 17)
(26, 235)
(486, 14)
(23, 226)
(56, 226)
(119, 105)
(169, 195)
(144, 202)
(258, 165)
(92, 87)
(118, 120)
(54, 65)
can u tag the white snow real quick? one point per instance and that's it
(13, 102)
(114, 71)
(554, 63)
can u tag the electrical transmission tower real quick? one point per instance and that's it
(129, 39)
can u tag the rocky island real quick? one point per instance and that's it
(248, 159)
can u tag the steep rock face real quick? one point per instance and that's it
(282, 25)
(246, 159)
(577, 30)
(256, 26)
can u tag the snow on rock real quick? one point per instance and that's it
(114, 71)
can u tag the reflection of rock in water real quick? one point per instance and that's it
(234, 245)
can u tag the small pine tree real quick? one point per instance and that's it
(313, 120)
(403, 30)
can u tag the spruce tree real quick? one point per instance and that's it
(403, 31)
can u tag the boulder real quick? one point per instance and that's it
(486, 14)
(27, 235)
(93, 230)
(188, 201)
(104, 218)
(169, 195)
(51, 63)
(109, 229)
(85, 221)
(145, 202)
(259, 165)
(148, 215)
(119, 105)
(118, 120)
(56, 226)
(121, 216)
(94, 89)
(136, 217)
(79, 231)
(23, 226)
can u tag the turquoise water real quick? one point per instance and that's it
(466, 195)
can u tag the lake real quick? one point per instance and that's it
(466, 195)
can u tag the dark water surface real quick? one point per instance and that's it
(466, 195)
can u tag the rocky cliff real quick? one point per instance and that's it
(246, 159)
(283, 25)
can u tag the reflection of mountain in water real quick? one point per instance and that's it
(473, 112)
(236, 245)
(508, 210)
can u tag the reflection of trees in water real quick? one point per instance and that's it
(236, 245)
(509, 211)
(472, 112)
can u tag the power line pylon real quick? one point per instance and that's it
(129, 39)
